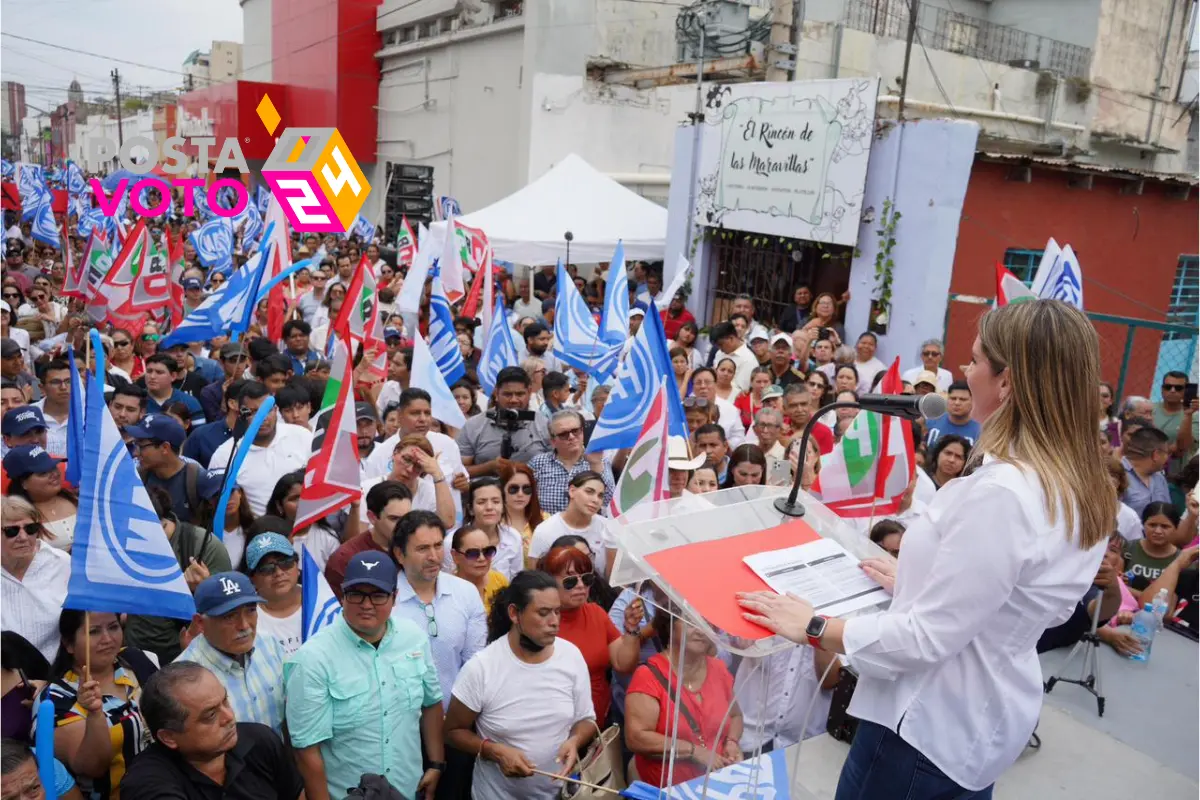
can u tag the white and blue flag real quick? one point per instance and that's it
(364, 229)
(75, 421)
(228, 310)
(577, 340)
(1062, 279)
(31, 185)
(424, 374)
(443, 341)
(319, 606)
(753, 779)
(44, 228)
(614, 317)
(75, 182)
(200, 202)
(647, 365)
(7, 170)
(262, 198)
(214, 243)
(499, 350)
(120, 560)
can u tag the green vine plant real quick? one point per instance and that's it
(885, 266)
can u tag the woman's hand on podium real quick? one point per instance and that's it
(786, 615)
(882, 571)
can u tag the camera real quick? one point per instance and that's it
(508, 419)
(824, 334)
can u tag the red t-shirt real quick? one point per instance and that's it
(671, 325)
(335, 568)
(590, 629)
(821, 434)
(707, 707)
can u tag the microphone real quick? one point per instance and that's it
(908, 406)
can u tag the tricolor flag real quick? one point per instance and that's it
(1009, 288)
(281, 260)
(332, 480)
(406, 244)
(319, 606)
(75, 281)
(413, 290)
(645, 474)
(872, 465)
(359, 319)
(450, 264)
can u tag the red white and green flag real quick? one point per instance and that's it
(645, 478)
(406, 244)
(359, 322)
(871, 466)
(1010, 289)
(332, 481)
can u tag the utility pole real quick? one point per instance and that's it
(116, 78)
(781, 62)
(913, 7)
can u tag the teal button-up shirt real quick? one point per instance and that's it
(362, 704)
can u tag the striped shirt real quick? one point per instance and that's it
(31, 606)
(255, 690)
(126, 730)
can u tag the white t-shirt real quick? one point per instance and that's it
(531, 707)
(944, 378)
(290, 450)
(235, 545)
(597, 535)
(285, 630)
(867, 371)
(730, 420)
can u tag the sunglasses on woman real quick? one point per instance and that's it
(571, 581)
(31, 529)
(11, 296)
(477, 553)
(515, 489)
(283, 563)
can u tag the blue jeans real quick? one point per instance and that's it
(882, 766)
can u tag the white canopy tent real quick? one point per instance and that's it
(527, 227)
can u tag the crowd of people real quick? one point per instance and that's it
(480, 648)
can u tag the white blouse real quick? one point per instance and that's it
(951, 666)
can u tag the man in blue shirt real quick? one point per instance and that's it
(363, 692)
(161, 372)
(957, 419)
(157, 440)
(1144, 459)
(295, 338)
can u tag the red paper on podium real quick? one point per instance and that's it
(708, 574)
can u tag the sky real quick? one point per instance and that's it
(155, 33)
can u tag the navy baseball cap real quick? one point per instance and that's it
(371, 568)
(21, 420)
(266, 543)
(160, 427)
(192, 283)
(219, 594)
(392, 333)
(29, 459)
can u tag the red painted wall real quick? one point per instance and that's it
(1129, 247)
(233, 111)
(323, 52)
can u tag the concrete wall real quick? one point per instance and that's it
(468, 131)
(636, 32)
(923, 167)
(256, 40)
(1130, 41)
(225, 62)
(1072, 21)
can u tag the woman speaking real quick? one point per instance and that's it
(950, 686)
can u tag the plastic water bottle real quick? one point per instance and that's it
(1160, 606)
(1143, 629)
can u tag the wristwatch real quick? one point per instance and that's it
(440, 766)
(816, 629)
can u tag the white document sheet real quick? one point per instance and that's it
(822, 572)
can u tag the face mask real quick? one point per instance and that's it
(527, 644)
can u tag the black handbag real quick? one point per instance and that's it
(841, 725)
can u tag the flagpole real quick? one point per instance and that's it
(87, 646)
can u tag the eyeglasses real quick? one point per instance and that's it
(121, 343)
(37, 298)
(570, 433)
(31, 529)
(430, 622)
(1174, 387)
(359, 598)
(515, 489)
(144, 443)
(150, 337)
(695, 402)
(931, 353)
(11, 296)
(571, 581)
(476, 553)
(270, 567)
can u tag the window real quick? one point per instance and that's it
(1184, 308)
(1023, 264)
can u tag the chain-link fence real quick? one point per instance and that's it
(1135, 354)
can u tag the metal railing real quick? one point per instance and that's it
(974, 37)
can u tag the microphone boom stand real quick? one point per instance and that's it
(789, 505)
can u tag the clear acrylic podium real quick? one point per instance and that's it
(651, 528)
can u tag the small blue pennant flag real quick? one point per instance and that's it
(614, 319)
(443, 341)
(121, 561)
(76, 184)
(44, 228)
(577, 340)
(75, 420)
(499, 349)
(319, 606)
(226, 311)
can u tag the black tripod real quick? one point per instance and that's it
(1088, 647)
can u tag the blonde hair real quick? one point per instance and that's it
(1048, 421)
(12, 505)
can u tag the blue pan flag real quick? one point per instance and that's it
(75, 182)
(499, 349)
(230, 479)
(614, 319)
(443, 341)
(319, 606)
(75, 429)
(577, 340)
(120, 560)
(214, 242)
(44, 228)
